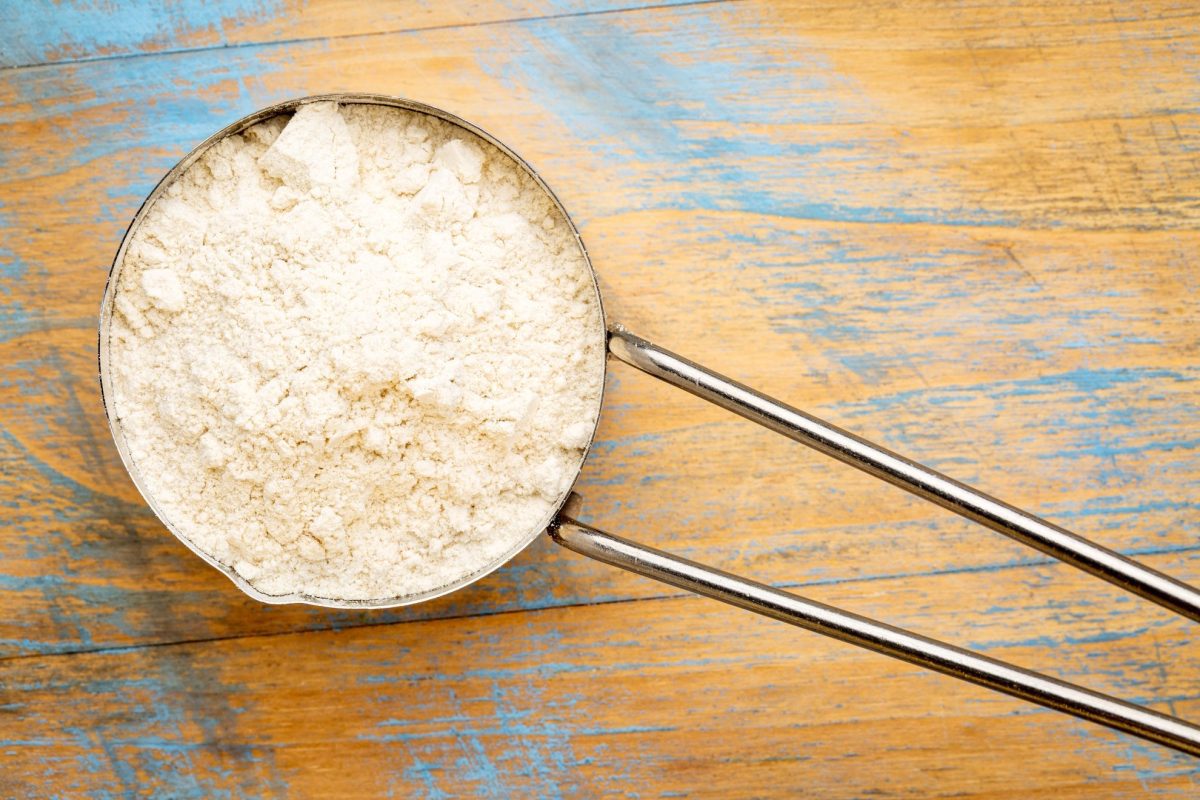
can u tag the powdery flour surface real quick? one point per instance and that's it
(356, 355)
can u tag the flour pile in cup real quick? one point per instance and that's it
(356, 354)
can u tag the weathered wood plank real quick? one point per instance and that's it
(966, 232)
(666, 698)
(77, 30)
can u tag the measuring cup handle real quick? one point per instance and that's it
(896, 642)
(909, 475)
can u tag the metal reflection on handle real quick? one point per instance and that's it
(868, 633)
(923, 482)
(908, 475)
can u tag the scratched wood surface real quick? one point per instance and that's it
(967, 232)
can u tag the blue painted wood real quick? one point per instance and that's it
(84, 30)
(922, 232)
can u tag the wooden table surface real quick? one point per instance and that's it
(966, 231)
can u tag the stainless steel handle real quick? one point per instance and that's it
(909, 475)
(895, 642)
(877, 636)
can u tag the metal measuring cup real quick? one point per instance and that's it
(744, 593)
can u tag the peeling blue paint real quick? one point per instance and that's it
(539, 744)
(614, 87)
(165, 112)
(39, 32)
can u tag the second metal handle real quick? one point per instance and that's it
(891, 641)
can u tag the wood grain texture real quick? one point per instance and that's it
(84, 31)
(966, 233)
(658, 699)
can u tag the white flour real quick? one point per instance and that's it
(357, 357)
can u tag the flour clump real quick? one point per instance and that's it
(356, 354)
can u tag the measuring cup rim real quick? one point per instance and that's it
(105, 320)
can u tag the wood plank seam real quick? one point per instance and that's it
(368, 34)
(665, 594)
